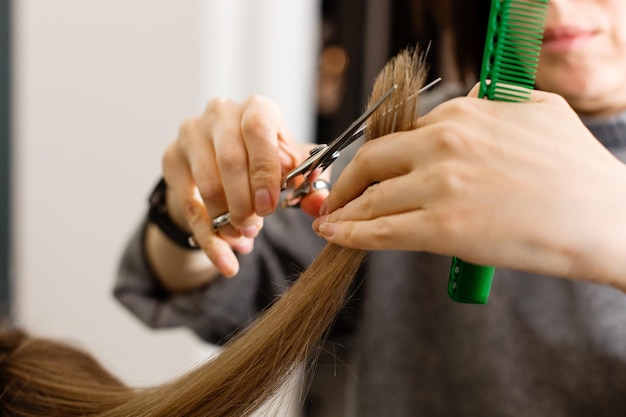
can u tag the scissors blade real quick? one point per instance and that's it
(322, 156)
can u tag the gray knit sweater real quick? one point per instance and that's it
(541, 346)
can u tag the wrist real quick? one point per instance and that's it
(610, 260)
(159, 215)
(177, 269)
(606, 238)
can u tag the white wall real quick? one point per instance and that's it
(100, 89)
(280, 38)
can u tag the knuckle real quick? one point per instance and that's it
(451, 180)
(218, 107)
(264, 168)
(233, 163)
(379, 232)
(194, 213)
(451, 136)
(373, 193)
(445, 109)
(255, 127)
(382, 233)
(263, 175)
(170, 157)
(459, 108)
(362, 157)
(257, 99)
(187, 128)
(348, 234)
(210, 189)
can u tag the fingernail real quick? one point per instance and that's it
(327, 229)
(263, 202)
(324, 207)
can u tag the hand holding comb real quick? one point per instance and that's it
(512, 48)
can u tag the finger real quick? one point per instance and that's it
(375, 161)
(261, 126)
(389, 197)
(291, 153)
(217, 249)
(183, 196)
(183, 169)
(231, 159)
(196, 141)
(396, 232)
(211, 180)
(453, 109)
(239, 241)
(194, 150)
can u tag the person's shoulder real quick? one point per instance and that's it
(443, 91)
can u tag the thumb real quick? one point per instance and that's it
(474, 91)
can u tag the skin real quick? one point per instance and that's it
(454, 186)
(543, 200)
(589, 70)
(554, 213)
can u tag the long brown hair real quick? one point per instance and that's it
(41, 377)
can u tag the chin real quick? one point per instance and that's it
(583, 82)
(577, 85)
(592, 100)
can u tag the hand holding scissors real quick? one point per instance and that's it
(227, 167)
(320, 158)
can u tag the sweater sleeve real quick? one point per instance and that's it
(284, 248)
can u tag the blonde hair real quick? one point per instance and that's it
(43, 377)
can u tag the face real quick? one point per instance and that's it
(583, 57)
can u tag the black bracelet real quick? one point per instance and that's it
(158, 215)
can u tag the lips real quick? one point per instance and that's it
(564, 38)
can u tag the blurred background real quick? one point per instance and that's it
(91, 93)
(99, 88)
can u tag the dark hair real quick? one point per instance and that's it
(465, 21)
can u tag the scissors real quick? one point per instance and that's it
(321, 157)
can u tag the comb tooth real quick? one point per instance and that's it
(513, 48)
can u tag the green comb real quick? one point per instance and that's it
(512, 48)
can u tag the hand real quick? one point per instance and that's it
(519, 185)
(231, 158)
